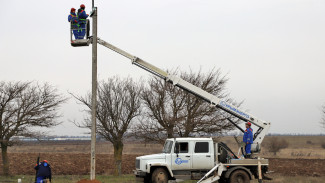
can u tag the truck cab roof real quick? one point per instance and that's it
(190, 139)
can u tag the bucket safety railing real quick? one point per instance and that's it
(80, 42)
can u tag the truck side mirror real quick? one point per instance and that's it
(176, 148)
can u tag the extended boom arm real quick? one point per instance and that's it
(213, 100)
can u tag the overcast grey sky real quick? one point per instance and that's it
(273, 51)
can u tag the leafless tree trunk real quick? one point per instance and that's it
(118, 105)
(171, 112)
(5, 160)
(24, 105)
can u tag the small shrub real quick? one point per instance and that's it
(309, 142)
(300, 154)
(323, 145)
(275, 145)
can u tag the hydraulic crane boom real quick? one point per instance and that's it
(213, 100)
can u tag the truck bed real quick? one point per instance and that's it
(247, 162)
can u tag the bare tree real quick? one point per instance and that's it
(171, 112)
(200, 117)
(118, 105)
(24, 105)
(275, 145)
(163, 103)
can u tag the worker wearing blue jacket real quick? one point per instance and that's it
(74, 22)
(43, 172)
(82, 20)
(248, 138)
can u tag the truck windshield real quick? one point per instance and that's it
(168, 146)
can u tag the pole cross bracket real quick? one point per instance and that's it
(134, 59)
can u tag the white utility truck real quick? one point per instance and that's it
(197, 158)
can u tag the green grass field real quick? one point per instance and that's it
(69, 178)
(130, 179)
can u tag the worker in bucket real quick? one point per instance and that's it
(43, 172)
(248, 139)
(82, 20)
(73, 19)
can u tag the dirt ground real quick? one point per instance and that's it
(300, 147)
(298, 167)
(79, 164)
(67, 164)
(303, 157)
(88, 181)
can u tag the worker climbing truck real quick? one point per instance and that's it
(197, 158)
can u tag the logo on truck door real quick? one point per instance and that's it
(179, 161)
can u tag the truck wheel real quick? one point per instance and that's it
(239, 176)
(159, 176)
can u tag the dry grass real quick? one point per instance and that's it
(295, 179)
(84, 147)
(323, 145)
(308, 147)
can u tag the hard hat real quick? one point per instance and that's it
(45, 161)
(249, 124)
(82, 6)
(72, 9)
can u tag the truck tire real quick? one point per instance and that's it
(159, 175)
(239, 176)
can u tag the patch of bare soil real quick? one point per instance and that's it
(67, 164)
(295, 167)
(79, 164)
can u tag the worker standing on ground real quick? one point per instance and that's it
(248, 139)
(43, 172)
(73, 19)
(82, 20)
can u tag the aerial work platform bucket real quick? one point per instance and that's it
(80, 42)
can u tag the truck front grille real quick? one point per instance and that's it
(137, 163)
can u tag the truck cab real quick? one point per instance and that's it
(179, 157)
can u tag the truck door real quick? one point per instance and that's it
(181, 160)
(203, 157)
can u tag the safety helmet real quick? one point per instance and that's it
(45, 161)
(82, 6)
(249, 124)
(72, 9)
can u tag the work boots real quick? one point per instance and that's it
(248, 156)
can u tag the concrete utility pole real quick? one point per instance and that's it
(94, 96)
